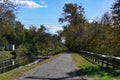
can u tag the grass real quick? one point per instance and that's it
(93, 70)
(4, 55)
(13, 74)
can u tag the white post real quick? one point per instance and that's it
(13, 62)
(13, 47)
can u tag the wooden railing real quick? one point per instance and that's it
(104, 60)
(10, 64)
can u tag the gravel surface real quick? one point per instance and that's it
(62, 68)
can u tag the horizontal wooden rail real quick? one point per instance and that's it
(14, 63)
(10, 64)
(104, 60)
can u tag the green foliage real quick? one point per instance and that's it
(21, 51)
(116, 13)
(73, 14)
(1, 48)
(99, 36)
(4, 55)
(7, 19)
(74, 32)
(28, 41)
(39, 40)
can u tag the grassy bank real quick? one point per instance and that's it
(11, 75)
(93, 70)
(4, 55)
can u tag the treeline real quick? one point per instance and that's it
(101, 36)
(27, 41)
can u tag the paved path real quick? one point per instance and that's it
(61, 68)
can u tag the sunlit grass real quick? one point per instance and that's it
(11, 75)
(4, 55)
(93, 70)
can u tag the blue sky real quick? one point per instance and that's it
(47, 12)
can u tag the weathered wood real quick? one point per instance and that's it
(9, 64)
(110, 61)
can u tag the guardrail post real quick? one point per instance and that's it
(102, 61)
(13, 63)
(113, 63)
(109, 61)
(3, 66)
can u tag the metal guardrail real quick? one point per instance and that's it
(104, 60)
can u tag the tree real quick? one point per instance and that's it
(106, 19)
(7, 20)
(116, 32)
(19, 33)
(116, 12)
(74, 33)
(73, 14)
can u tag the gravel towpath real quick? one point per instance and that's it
(61, 68)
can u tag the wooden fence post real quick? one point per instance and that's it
(113, 63)
(109, 61)
(3, 66)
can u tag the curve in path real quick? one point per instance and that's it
(61, 68)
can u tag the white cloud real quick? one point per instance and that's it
(27, 3)
(90, 21)
(53, 28)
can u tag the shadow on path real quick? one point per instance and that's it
(71, 76)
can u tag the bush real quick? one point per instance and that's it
(1, 48)
(22, 51)
(14, 55)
